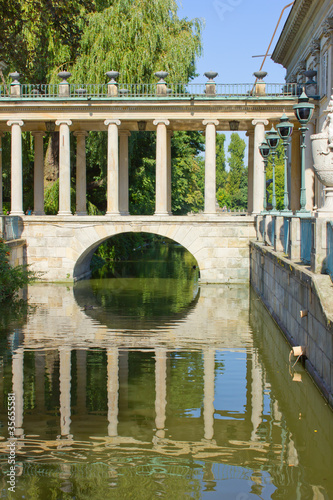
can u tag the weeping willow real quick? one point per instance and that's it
(138, 38)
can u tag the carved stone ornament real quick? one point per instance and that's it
(322, 152)
(315, 46)
(327, 27)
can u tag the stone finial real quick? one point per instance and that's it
(161, 87)
(64, 75)
(113, 75)
(15, 86)
(15, 78)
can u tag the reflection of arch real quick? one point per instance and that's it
(84, 295)
(82, 265)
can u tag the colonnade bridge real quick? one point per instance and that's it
(61, 246)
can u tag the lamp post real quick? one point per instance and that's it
(265, 152)
(303, 112)
(285, 129)
(272, 139)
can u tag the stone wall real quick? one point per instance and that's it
(18, 252)
(287, 289)
(61, 247)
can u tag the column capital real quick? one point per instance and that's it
(258, 121)
(80, 132)
(164, 122)
(112, 122)
(213, 122)
(124, 133)
(15, 122)
(63, 122)
(38, 133)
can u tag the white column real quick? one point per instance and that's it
(160, 391)
(16, 170)
(113, 388)
(250, 135)
(123, 171)
(112, 168)
(210, 166)
(209, 392)
(1, 200)
(17, 370)
(169, 199)
(64, 167)
(258, 167)
(81, 182)
(309, 171)
(161, 204)
(65, 390)
(38, 173)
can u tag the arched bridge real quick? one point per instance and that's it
(62, 247)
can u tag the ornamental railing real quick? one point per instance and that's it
(148, 90)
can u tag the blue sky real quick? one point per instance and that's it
(234, 31)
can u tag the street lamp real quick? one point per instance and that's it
(265, 152)
(272, 139)
(303, 112)
(285, 129)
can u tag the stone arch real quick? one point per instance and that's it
(81, 268)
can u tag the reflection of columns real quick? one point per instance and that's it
(209, 391)
(38, 173)
(256, 396)
(169, 135)
(64, 167)
(113, 387)
(160, 389)
(81, 374)
(309, 171)
(250, 134)
(162, 178)
(112, 168)
(81, 182)
(40, 380)
(65, 390)
(1, 204)
(295, 184)
(123, 171)
(258, 167)
(16, 168)
(210, 166)
(17, 370)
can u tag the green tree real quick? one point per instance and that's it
(237, 178)
(138, 38)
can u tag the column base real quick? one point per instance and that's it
(210, 213)
(124, 213)
(17, 213)
(80, 213)
(64, 213)
(163, 213)
(38, 212)
(112, 213)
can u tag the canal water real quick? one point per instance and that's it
(146, 385)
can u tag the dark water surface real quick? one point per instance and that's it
(155, 387)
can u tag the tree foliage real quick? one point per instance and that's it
(138, 38)
(11, 278)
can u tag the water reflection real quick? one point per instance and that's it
(201, 404)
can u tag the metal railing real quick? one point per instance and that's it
(149, 90)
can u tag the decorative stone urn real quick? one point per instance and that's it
(322, 152)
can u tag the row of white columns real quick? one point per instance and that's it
(117, 169)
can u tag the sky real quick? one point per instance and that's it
(234, 31)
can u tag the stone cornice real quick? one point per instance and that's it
(297, 15)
